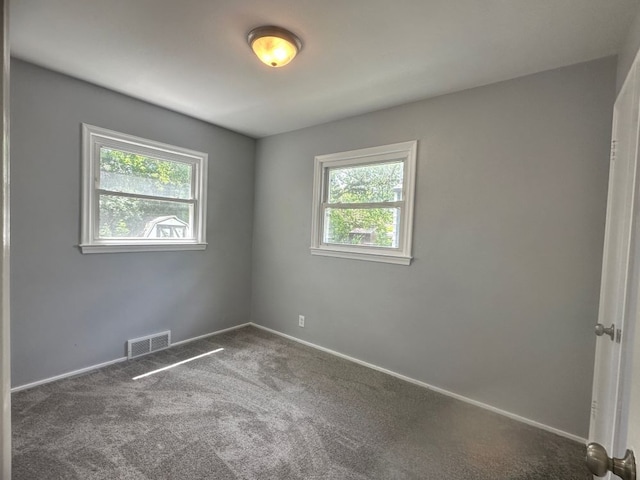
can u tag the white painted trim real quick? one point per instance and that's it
(142, 247)
(363, 155)
(5, 341)
(206, 335)
(405, 151)
(372, 257)
(93, 138)
(117, 360)
(499, 411)
(67, 375)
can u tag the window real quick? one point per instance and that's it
(363, 203)
(141, 195)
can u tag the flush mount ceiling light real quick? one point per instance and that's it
(274, 46)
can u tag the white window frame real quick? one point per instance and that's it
(93, 139)
(406, 152)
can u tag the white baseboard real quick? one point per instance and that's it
(68, 374)
(332, 352)
(513, 416)
(117, 360)
(217, 332)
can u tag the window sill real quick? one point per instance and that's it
(367, 256)
(143, 247)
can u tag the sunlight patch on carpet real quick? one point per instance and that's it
(177, 363)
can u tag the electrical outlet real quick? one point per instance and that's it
(301, 320)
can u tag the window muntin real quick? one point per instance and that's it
(363, 203)
(141, 195)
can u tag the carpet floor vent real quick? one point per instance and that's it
(149, 344)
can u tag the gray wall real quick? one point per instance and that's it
(498, 304)
(628, 51)
(500, 301)
(69, 310)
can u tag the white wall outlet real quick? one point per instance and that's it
(301, 320)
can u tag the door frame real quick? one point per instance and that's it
(5, 344)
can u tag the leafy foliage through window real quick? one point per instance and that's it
(363, 203)
(130, 173)
(350, 188)
(141, 193)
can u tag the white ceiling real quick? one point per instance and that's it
(358, 56)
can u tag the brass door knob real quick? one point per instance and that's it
(602, 330)
(599, 463)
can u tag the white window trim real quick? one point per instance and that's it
(406, 151)
(93, 138)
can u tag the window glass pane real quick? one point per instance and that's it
(378, 227)
(124, 217)
(378, 182)
(126, 172)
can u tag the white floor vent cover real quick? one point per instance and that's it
(149, 344)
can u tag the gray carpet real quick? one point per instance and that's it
(269, 408)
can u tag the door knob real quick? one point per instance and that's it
(602, 330)
(599, 463)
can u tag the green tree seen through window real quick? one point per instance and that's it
(129, 173)
(371, 184)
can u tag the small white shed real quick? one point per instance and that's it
(168, 226)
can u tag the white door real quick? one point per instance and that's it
(620, 289)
